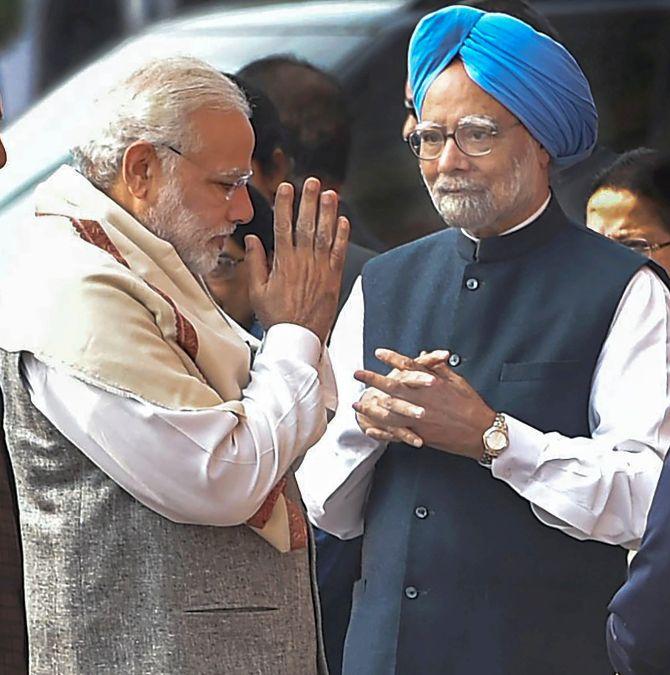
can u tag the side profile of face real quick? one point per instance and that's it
(484, 195)
(630, 219)
(196, 207)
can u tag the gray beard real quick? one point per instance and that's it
(473, 207)
(170, 221)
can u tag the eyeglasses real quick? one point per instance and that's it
(427, 141)
(642, 245)
(227, 185)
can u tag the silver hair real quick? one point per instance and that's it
(153, 104)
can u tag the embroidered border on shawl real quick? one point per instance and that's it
(92, 232)
(187, 338)
(260, 518)
(297, 526)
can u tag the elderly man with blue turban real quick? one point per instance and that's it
(503, 383)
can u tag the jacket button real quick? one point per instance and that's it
(454, 360)
(472, 284)
(421, 512)
(411, 593)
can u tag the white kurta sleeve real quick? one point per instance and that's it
(601, 487)
(335, 475)
(205, 466)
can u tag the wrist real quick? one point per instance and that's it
(495, 440)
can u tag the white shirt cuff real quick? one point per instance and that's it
(519, 462)
(288, 340)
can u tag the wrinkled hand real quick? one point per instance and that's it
(303, 285)
(445, 413)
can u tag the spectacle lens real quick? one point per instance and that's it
(471, 139)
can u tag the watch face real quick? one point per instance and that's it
(496, 440)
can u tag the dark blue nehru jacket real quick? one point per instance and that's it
(459, 577)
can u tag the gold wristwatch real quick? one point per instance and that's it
(495, 439)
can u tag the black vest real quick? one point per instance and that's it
(459, 576)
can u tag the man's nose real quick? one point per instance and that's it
(452, 158)
(241, 209)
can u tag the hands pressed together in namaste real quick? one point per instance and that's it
(422, 401)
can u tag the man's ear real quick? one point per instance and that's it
(140, 168)
(544, 157)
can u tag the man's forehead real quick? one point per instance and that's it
(226, 139)
(620, 212)
(454, 95)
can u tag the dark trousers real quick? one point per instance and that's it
(338, 566)
(13, 633)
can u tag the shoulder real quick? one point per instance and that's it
(432, 245)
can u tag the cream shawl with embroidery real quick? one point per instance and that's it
(89, 290)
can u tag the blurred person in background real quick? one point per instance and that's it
(162, 529)
(314, 112)
(630, 203)
(497, 480)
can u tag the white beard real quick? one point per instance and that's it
(475, 207)
(172, 222)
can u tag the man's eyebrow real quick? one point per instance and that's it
(483, 120)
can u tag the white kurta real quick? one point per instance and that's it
(206, 466)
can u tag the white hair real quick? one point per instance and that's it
(153, 104)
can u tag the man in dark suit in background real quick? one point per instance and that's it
(637, 634)
(637, 631)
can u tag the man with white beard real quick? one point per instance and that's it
(151, 437)
(497, 476)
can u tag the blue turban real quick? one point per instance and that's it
(533, 76)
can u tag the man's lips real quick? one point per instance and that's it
(457, 190)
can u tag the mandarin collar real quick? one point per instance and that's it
(512, 244)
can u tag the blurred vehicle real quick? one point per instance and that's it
(620, 44)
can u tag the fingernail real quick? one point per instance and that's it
(418, 412)
(284, 190)
(425, 378)
(417, 442)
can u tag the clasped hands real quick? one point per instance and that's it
(302, 284)
(422, 401)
